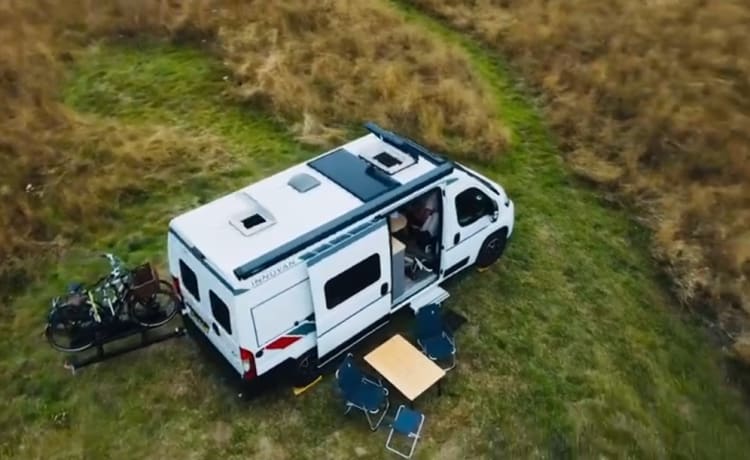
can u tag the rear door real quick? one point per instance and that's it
(350, 284)
(209, 304)
(223, 329)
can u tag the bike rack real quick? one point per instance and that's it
(116, 332)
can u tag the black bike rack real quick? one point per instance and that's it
(115, 332)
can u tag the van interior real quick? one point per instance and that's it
(415, 243)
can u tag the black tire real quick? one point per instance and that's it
(492, 248)
(157, 310)
(305, 369)
(71, 329)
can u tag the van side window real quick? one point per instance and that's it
(220, 311)
(188, 279)
(351, 281)
(471, 205)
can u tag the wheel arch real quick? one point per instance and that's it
(481, 260)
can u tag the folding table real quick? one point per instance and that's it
(399, 362)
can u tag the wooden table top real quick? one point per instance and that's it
(399, 362)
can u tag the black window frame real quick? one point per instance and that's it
(225, 322)
(352, 281)
(190, 282)
(486, 208)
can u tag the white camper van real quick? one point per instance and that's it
(300, 266)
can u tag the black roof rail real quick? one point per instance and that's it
(404, 144)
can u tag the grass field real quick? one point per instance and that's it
(572, 348)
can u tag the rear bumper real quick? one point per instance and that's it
(226, 372)
(208, 349)
(205, 344)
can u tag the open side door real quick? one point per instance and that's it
(350, 285)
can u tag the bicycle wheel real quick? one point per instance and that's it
(71, 329)
(157, 309)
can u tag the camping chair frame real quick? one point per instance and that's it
(435, 326)
(449, 339)
(414, 435)
(374, 424)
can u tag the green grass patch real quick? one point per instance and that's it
(572, 348)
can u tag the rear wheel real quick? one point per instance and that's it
(71, 328)
(492, 248)
(305, 369)
(158, 309)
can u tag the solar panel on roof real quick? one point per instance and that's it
(354, 174)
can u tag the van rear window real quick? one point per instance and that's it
(351, 281)
(220, 311)
(188, 279)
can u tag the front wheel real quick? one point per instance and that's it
(492, 248)
(71, 328)
(158, 309)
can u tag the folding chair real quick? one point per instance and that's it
(361, 392)
(408, 423)
(433, 338)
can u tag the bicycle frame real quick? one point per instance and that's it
(120, 295)
(94, 307)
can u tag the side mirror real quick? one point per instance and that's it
(495, 211)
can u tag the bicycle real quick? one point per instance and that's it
(137, 295)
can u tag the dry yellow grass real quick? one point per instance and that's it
(650, 97)
(63, 172)
(321, 66)
(329, 64)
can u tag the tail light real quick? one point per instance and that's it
(248, 364)
(176, 286)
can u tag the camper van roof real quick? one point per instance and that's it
(242, 227)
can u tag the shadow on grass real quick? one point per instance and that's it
(282, 378)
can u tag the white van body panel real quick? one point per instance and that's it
(200, 308)
(337, 323)
(272, 317)
(462, 242)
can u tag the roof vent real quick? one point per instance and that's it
(387, 159)
(303, 182)
(389, 162)
(252, 220)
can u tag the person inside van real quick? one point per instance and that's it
(424, 220)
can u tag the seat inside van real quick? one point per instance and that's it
(417, 226)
